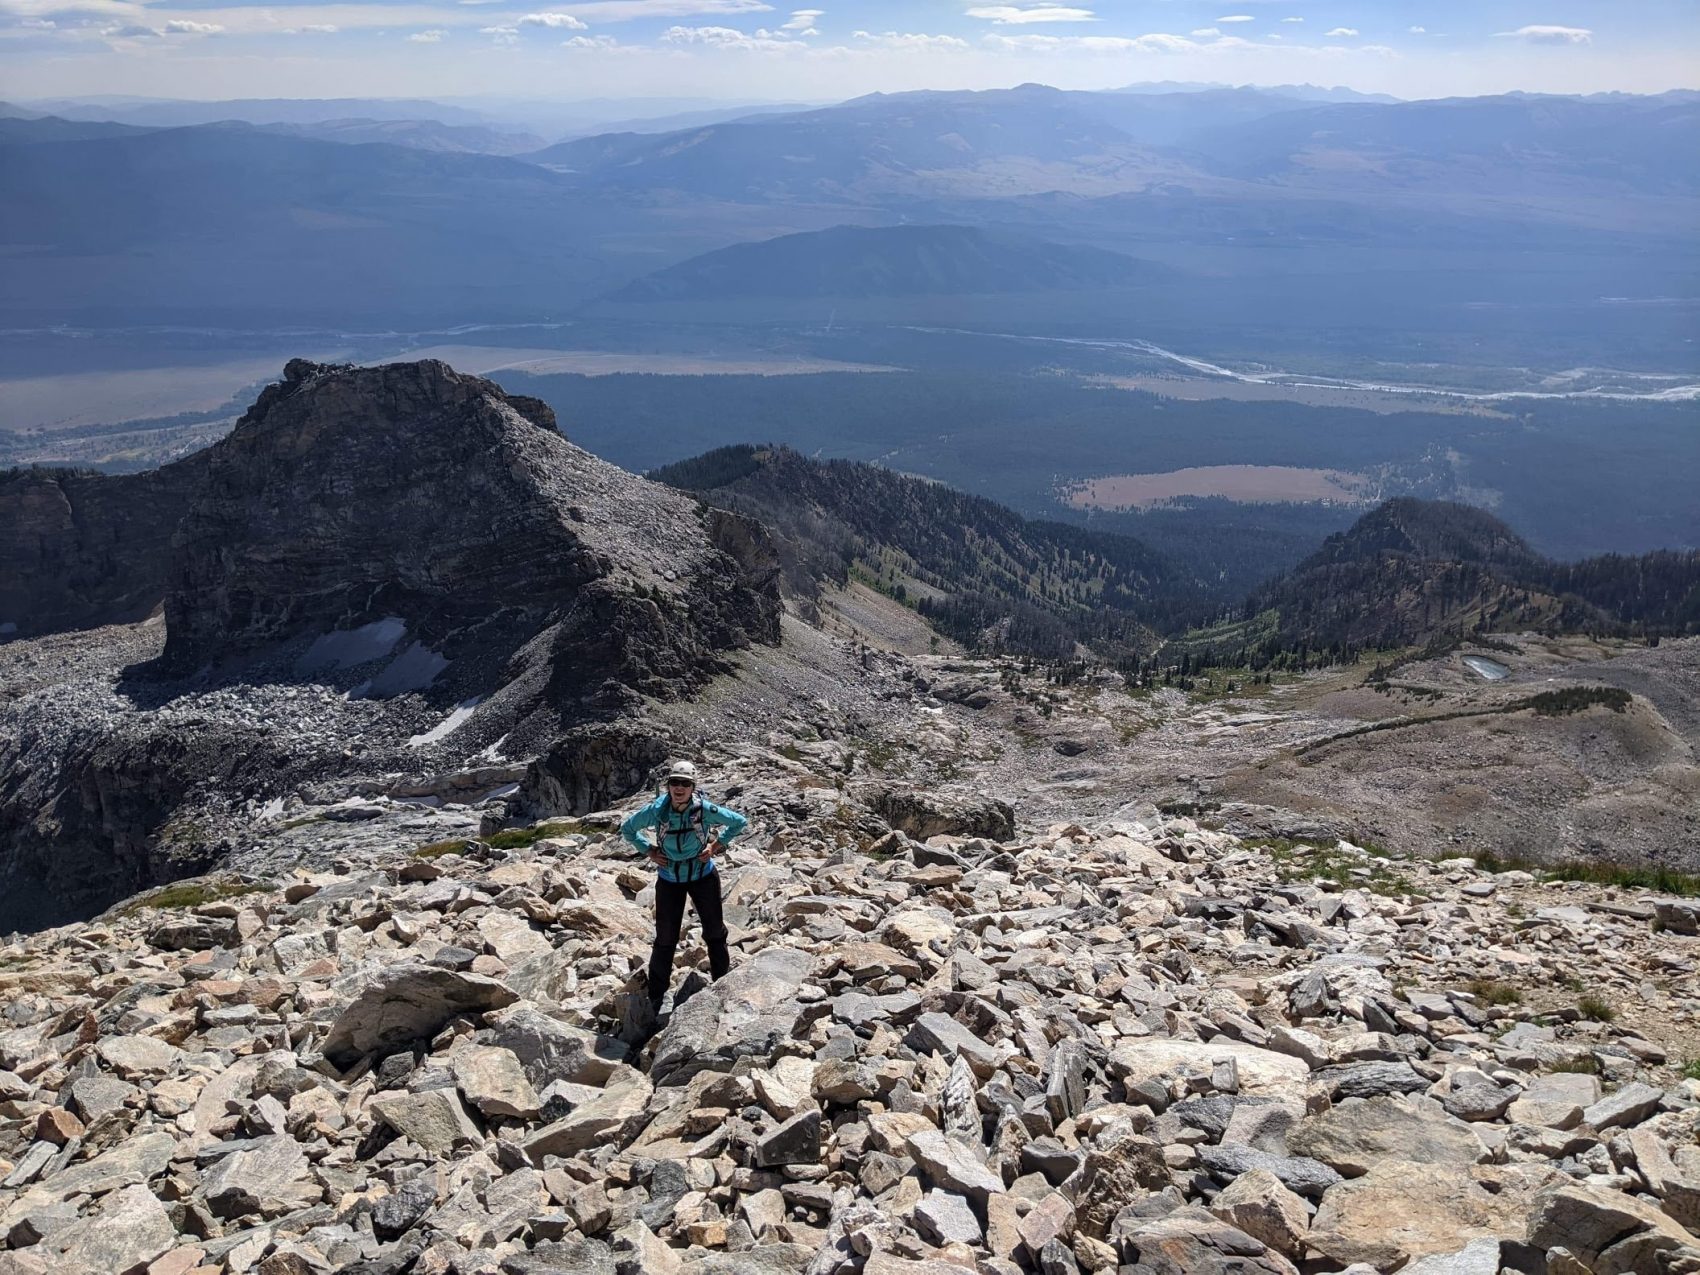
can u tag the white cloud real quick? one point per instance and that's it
(426, 37)
(180, 27)
(131, 31)
(1205, 33)
(1419, 31)
(1550, 35)
(557, 21)
(39, 24)
(501, 35)
(1292, 19)
(1010, 15)
(600, 42)
(316, 28)
(1154, 43)
(802, 21)
(725, 38)
(1237, 17)
(627, 10)
(900, 40)
(1343, 31)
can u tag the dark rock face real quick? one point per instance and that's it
(589, 769)
(82, 550)
(94, 825)
(348, 497)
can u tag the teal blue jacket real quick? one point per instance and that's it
(676, 833)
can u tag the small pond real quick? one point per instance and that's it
(1492, 670)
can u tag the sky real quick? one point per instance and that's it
(748, 50)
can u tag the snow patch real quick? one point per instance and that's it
(446, 727)
(345, 648)
(491, 756)
(413, 670)
(273, 809)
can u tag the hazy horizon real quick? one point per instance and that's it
(748, 49)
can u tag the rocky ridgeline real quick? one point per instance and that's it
(1134, 1048)
(379, 570)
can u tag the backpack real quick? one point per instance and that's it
(687, 869)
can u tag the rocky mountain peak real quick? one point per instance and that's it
(410, 492)
(1430, 529)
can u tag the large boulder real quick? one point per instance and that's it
(1261, 1071)
(407, 1004)
(1612, 1232)
(1356, 1136)
(748, 1013)
(932, 814)
(1401, 1210)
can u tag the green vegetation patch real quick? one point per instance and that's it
(437, 849)
(514, 838)
(1489, 991)
(1690, 1070)
(1310, 861)
(1577, 699)
(1656, 879)
(1581, 1065)
(1595, 1008)
(190, 894)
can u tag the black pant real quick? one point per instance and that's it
(704, 894)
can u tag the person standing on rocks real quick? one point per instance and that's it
(689, 833)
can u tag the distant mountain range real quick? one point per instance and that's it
(1304, 92)
(889, 261)
(276, 219)
(1034, 139)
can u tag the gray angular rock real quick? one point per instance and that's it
(270, 1177)
(1593, 1223)
(1628, 1106)
(405, 1004)
(613, 1118)
(1478, 1101)
(128, 1229)
(796, 1141)
(435, 1119)
(1297, 1173)
(1369, 1080)
(946, 1218)
(1259, 1205)
(746, 1014)
(941, 1034)
(930, 814)
(1355, 1136)
(951, 1166)
(551, 1050)
(494, 1082)
(401, 1210)
(1190, 1241)
(1478, 1257)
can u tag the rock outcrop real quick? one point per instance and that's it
(348, 497)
